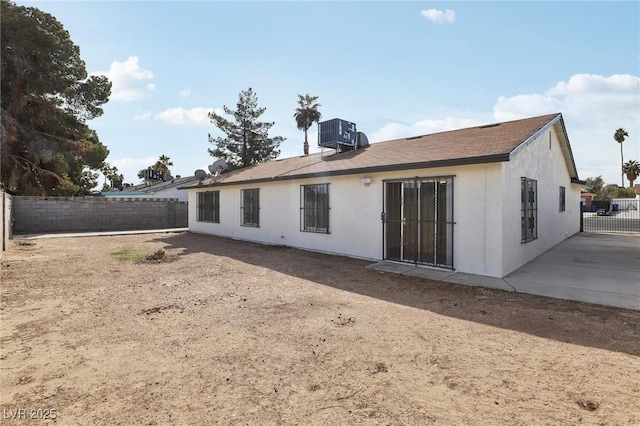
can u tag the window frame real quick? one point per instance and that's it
(314, 211)
(528, 209)
(254, 207)
(563, 199)
(202, 199)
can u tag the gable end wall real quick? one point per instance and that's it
(544, 162)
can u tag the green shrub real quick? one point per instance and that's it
(624, 193)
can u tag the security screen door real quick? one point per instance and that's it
(418, 221)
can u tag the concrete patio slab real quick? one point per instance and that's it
(393, 267)
(595, 268)
(480, 280)
(603, 269)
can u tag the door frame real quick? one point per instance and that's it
(417, 181)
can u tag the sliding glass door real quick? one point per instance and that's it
(418, 221)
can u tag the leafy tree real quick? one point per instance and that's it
(600, 191)
(620, 136)
(632, 169)
(47, 148)
(307, 114)
(247, 141)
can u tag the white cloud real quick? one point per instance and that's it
(123, 163)
(591, 99)
(522, 106)
(129, 167)
(198, 116)
(593, 107)
(593, 83)
(294, 146)
(142, 115)
(185, 93)
(129, 79)
(439, 16)
(392, 131)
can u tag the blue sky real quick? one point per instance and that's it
(396, 69)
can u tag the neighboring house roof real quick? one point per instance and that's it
(483, 144)
(145, 189)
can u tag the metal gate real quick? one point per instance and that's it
(618, 216)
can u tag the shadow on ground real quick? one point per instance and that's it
(566, 321)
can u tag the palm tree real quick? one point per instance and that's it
(108, 170)
(620, 136)
(163, 163)
(307, 114)
(632, 169)
(599, 189)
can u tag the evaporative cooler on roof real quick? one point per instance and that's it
(337, 134)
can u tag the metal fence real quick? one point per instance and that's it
(618, 216)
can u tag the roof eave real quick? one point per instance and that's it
(496, 158)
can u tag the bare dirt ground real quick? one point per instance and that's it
(228, 332)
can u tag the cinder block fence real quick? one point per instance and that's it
(95, 214)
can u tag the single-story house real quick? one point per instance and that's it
(167, 189)
(482, 200)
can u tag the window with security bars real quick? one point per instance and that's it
(250, 207)
(314, 208)
(208, 206)
(562, 198)
(529, 209)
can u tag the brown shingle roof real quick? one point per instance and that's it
(472, 145)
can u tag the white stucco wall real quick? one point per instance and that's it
(487, 213)
(354, 219)
(478, 220)
(544, 162)
(354, 216)
(172, 192)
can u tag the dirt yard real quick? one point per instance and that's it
(227, 332)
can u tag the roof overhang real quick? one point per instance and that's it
(386, 168)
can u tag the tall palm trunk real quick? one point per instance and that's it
(306, 143)
(622, 163)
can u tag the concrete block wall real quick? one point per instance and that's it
(94, 214)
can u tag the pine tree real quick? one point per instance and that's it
(47, 97)
(247, 141)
